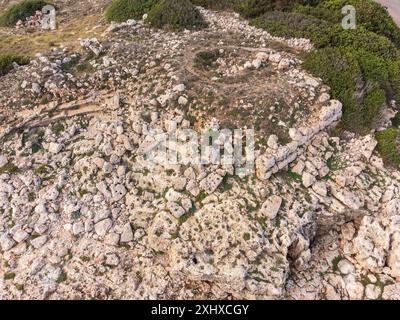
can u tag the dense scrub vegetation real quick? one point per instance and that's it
(218, 4)
(362, 66)
(20, 11)
(123, 10)
(175, 15)
(388, 146)
(169, 14)
(6, 62)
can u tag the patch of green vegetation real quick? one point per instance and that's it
(362, 66)
(201, 196)
(62, 278)
(255, 8)
(82, 192)
(225, 185)
(76, 215)
(19, 287)
(85, 258)
(370, 15)
(246, 236)
(388, 146)
(57, 128)
(9, 168)
(123, 10)
(396, 120)
(335, 263)
(31, 196)
(9, 276)
(294, 176)
(185, 217)
(20, 11)
(217, 4)
(7, 61)
(174, 235)
(43, 170)
(175, 15)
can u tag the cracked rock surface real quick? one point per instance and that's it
(84, 214)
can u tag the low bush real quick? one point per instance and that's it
(175, 15)
(6, 62)
(339, 69)
(20, 11)
(123, 10)
(289, 24)
(255, 8)
(369, 14)
(374, 101)
(218, 4)
(388, 146)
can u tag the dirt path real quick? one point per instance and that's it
(393, 8)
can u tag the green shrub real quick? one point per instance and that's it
(20, 11)
(375, 69)
(175, 15)
(256, 8)
(365, 40)
(6, 62)
(396, 120)
(218, 4)
(323, 34)
(340, 70)
(290, 24)
(388, 146)
(394, 80)
(123, 10)
(369, 14)
(374, 102)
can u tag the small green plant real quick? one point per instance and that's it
(9, 168)
(246, 236)
(31, 196)
(396, 120)
(7, 61)
(62, 278)
(335, 263)
(85, 258)
(19, 287)
(175, 15)
(9, 276)
(57, 128)
(20, 11)
(201, 196)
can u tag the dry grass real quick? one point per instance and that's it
(67, 35)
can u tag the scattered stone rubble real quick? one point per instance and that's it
(33, 22)
(84, 214)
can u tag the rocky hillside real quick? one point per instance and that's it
(85, 213)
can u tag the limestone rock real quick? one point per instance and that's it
(271, 207)
(101, 228)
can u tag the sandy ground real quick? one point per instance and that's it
(393, 8)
